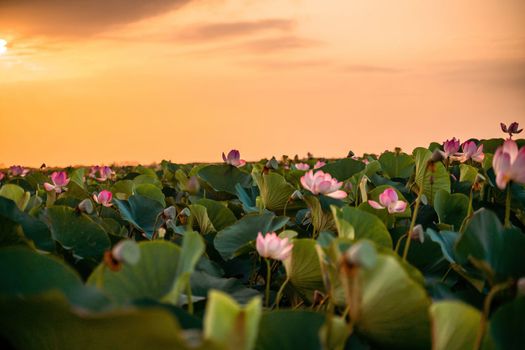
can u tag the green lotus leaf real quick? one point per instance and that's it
(142, 212)
(357, 224)
(229, 324)
(16, 194)
(507, 325)
(431, 177)
(162, 272)
(78, 232)
(455, 325)
(397, 164)
(289, 330)
(275, 191)
(451, 208)
(150, 191)
(200, 213)
(343, 169)
(219, 214)
(389, 308)
(303, 269)
(232, 238)
(122, 189)
(495, 251)
(48, 322)
(34, 229)
(224, 177)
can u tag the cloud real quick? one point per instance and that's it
(264, 46)
(363, 68)
(269, 45)
(77, 17)
(506, 73)
(287, 65)
(212, 31)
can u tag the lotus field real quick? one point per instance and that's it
(420, 250)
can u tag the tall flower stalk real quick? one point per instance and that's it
(271, 246)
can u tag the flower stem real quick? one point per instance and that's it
(416, 211)
(268, 277)
(284, 213)
(190, 301)
(280, 292)
(508, 204)
(412, 223)
(396, 249)
(486, 310)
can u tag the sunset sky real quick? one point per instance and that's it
(90, 82)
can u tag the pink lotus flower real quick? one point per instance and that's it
(512, 129)
(60, 181)
(273, 247)
(104, 198)
(471, 151)
(509, 164)
(319, 164)
(2, 175)
(104, 172)
(322, 183)
(17, 170)
(302, 166)
(93, 171)
(234, 158)
(450, 147)
(418, 233)
(389, 200)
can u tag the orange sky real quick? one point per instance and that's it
(128, 80)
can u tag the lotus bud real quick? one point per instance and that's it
(319, 164)
(193, 186)
(296, 195)
(126, 251)
(521, 286)
(478, 182)
(161, 232)
(437, 156)
(361, 254)
(186, 212)
(86, 206)
(418, 233)
(272, 164)
(319, 298)
(302, 166)
(170, 213)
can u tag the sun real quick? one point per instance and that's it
(3, 46)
